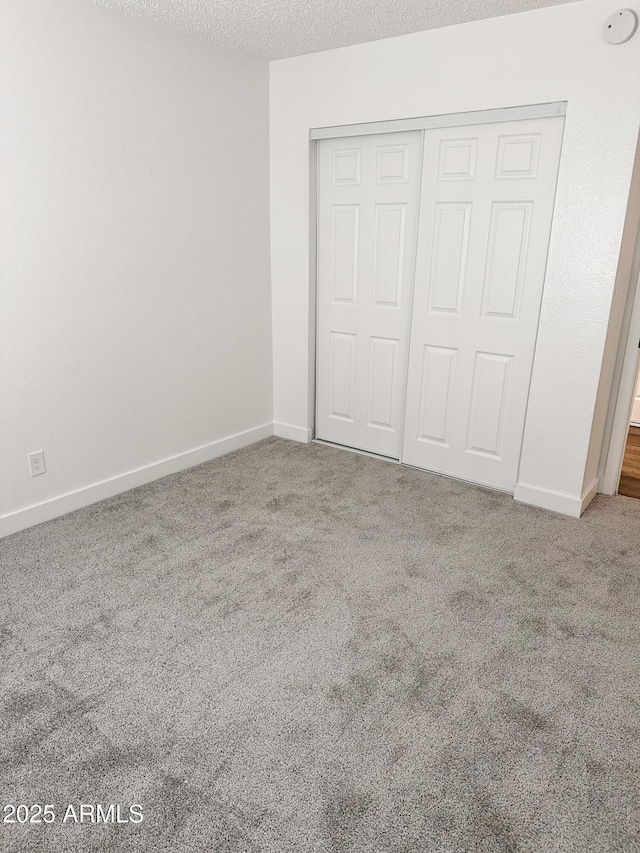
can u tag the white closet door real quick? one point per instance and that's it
(368, 192)
(487, 203)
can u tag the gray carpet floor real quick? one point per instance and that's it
(295, 648)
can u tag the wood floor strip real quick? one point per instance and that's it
(630, 479)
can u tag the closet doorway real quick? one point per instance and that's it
(630, 475)
(431, 254)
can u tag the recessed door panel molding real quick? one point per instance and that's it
(489, 397)
(383, 383)
(345, 220)
(518, 156)
(457, 159)
(449, 249)
(482, 303)
(388, 259)
(342, 376)
(368, 200)
(509, 227)
(436, 393)
(393, 164)
(346, 167)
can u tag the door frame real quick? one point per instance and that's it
(488, 116)
(629, 356)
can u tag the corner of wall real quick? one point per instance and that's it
(293, 433)
(564, 504)
(63, 504)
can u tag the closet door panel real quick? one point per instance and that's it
(368, 195)
(487, 202)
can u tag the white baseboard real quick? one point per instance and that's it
(294, 433)
(556, 501)
(589, 494)
(54, 507)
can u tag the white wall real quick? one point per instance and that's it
(547, 55)
(134, 252)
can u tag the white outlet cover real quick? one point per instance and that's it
(620, 26)
(37, 464)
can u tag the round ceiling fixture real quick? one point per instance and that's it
(620, 26)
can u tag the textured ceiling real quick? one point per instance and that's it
(275, 29)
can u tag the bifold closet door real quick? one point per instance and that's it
(486, 207)
(368, 192)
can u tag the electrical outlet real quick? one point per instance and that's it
(36, 463)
